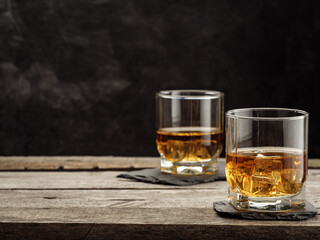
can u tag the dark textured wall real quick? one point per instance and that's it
(78, 77)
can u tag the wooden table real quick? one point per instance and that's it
(81, 198)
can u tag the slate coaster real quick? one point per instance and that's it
(155, 176)
(225, 209)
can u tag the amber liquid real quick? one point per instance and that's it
(266, 172)
(187, 144)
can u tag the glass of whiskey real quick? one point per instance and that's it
(190, 132)
(266, 158)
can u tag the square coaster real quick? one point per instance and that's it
(225, 209)
(155, 176)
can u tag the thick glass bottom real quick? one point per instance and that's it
(208, 167)
(267, 204)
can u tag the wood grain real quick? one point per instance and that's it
(15, 180)
(121, 206)
(153, 231)
(119, 214)
(89, 163)
(97, 205)
(75, 180)
(77, 163)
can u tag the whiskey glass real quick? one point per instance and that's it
(190, 128)
(266, 158)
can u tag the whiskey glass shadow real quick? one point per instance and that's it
(266, 158)
(190, 132)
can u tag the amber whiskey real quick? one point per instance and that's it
(267, 171)
(189, 144)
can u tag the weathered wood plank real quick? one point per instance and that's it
(97, 180)
(172, 231)
(78, 163)
(133, 214)
(75, 180)
(314, 163)
(47, 231)
(89, 163)
(180, 207)
(96, 205)
(50, 231)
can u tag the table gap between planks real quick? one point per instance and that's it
(81, 198)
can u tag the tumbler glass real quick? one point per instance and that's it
(266, 158)
(189, 131)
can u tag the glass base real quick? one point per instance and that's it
(267, 204)
(208, 167)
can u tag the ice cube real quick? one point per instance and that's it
(205, 149)
(176, 150)
(267, 169)
(291, 181)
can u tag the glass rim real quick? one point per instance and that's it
(233, 114)
(189, 94)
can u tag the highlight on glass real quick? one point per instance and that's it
(266, 158)
(190, 129)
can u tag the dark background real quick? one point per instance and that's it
(78, 77)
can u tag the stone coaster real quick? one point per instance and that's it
(224, 209)
(155, 176)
